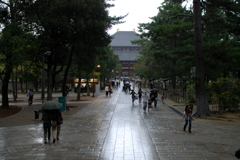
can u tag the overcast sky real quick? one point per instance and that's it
(138, 11)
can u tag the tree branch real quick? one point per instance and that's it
(5, 3)
(180, 14)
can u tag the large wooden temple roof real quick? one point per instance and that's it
(123, 47)
(124, 38)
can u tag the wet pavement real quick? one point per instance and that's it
(112, 128)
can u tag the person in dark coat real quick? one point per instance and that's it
(47, 125)
(140, 92)
(133, 96)
(154, 96)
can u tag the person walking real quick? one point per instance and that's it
(55, 118)
(151, 85)
(46, 125)
(109, 90)
(140, 95)
(30, 95)
(67, 90)
(59, 122)
(154, 97)
(163, 98)
(140, 85)
(133, 96)
(188, 117)
(129, 87)
(145, 101)
(106, 89)
(150, 100)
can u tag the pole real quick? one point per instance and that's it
(43, 78)
(93, 86)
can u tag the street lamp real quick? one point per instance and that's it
(93, 86)
(43, 74)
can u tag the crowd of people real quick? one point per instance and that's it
(52, 119)
(150, 101)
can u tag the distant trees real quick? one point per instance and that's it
(169, 42)
(174, 51)
(68, 29)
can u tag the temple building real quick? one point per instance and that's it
(127, 52)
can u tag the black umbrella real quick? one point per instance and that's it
(154, 90)
(237, 154)
(51, 105)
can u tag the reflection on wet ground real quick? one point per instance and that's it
(112, 128)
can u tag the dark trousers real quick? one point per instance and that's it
(186, 123)
(155, 103)
(47, 132)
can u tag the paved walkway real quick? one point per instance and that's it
(112, 128)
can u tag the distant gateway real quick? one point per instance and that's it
(127, 52)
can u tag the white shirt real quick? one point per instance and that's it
(145, 98)
(106, 88)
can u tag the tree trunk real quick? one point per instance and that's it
(54, 78)
(49, 82)
(21, 80)
(66, 71)
(6, 78)
(26, 87)
(201, 96)
(13, 89)
(173, 78)
(16, 84)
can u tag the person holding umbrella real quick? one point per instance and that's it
(56, 116)
(52, 108)
(59, 122)
(46, 125)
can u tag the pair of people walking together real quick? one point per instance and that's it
(52, 120)
(108, 90)
(147, 101)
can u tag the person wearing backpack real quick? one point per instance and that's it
(30, 95)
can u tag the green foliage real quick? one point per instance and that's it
(228, 91)
(109, 62)
(221, 48)
(191, 91)
(18, 47)
(167, 44)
